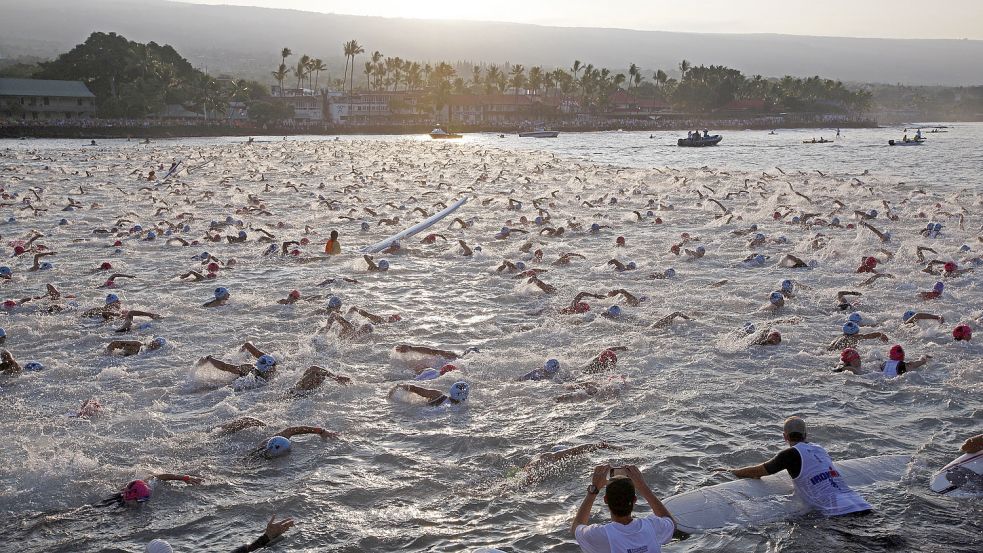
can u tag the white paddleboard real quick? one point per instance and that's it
(421, 226)
(751, 501)
(948, 480)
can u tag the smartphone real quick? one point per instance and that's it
(618, 472)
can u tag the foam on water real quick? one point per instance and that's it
(403, 477)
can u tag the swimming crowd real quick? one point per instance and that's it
(161, 207)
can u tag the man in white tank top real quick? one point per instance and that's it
(817, 481)
(624, 534)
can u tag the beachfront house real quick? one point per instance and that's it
(308, 104)
(44, 100)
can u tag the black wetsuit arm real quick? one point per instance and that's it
(788, 459)
(260, 543)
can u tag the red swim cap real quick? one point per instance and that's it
(304, 241)
(395, 318)
(950, 266)
(447, 368)
(138, 490)
(110, 284)
(851, 225)
(620, 241)
(674, 249)
(212, 267)
(962, 332)
(658, 220)
(869, 262)
(106, 266)
(608, 357)
(9, 304)
(849, 355)
(19, 250)
(118, 243)
(295, 294)
(684, 235)
(897, 353)
(211, 275)
(294, 252)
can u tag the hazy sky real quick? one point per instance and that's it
(858, 18)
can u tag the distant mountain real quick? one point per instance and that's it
(247, 41)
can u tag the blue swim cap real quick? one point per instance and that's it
(187, 228)
(137, 228)
(151, 235)
(759, 236)
(538, 220)
(939, 287)
(631, 265)
(670, 272)
(754, 227)
(776, 297)
(855, 317)
(111, 298)
(204, 255)
(505, 230)
(334, 302)
(551, 367)
(3, 333)
(221, 292)
(265, 363)
(614, 311)
(34, 366)
(459, 391)
(229, 220)
(276, 446)
(758, 259)
(650, 213)
(595, 227)
(937, 227)
(44, 266)
(383, 265)
(239, 222)
(964, 248)
(850, 328)
(520, 265)
(365, 226)
(796, 219)
(168, 232)
(872, 213)
(887, 236)
(158, 342)
(5, 271)
(748, 328)
(63, 222)
(12, 220)
(428, 374)
(788, 285)
(835, 221)
(907, 315)
(701, 249)
(242, 234)
(930, 226)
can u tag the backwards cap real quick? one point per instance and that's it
(793, 425)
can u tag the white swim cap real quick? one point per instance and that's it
(276, 446)
(158, 546)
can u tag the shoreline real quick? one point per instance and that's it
(199, 131)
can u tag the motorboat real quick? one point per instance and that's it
(539, 133)
(711, 140)
(439, 133)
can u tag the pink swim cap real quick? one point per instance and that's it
(294, 252)
(106, 266)
(118, 243)
(304, 241)
(295, 294)
(897, 353)
(395, 318)
(608, 357)
(849, 355)
(138, 490)
(212, 267)
(962, 332)
(950, 266)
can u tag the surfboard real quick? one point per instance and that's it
(419, 227)
(173, 170)
(948, 479)
(751, 501)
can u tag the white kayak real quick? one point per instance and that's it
(751, 501)
(955, 474)
(419, 227)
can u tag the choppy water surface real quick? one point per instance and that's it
(409, 478)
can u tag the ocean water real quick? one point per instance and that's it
(404, 477)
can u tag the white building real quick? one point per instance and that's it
(37, 99)
(308, 104)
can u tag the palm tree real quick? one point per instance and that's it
(301, 70)
(317, 65)
(632, 71)
(284, 54)
(356, 50)
(346, 49)
(535, 79)
(491, 78)
(369, 66)
(684, 67)
(576, 68)
(476, 76)
(281, 74)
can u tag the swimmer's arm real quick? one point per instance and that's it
(754, 471)
(582, 295)
(842, 295)
(339, 378)
(375, 319)
(186, 478)
(240, 370)
(299, 430)
(874, 335)
(241, 424)
(425, 392)
(248, 346)
(122, 344)
(368, 259)
(919, 363)
(431, 351)
(925, 317)
(133, 314)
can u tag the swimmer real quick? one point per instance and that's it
(375, 319)
(466, 250)
(511, 267)
(896, 365)
(602, 391)
(605, 361)
(776, 301)
(38, 266)
(315, 376)
(910, 317)
(264, 367)
(8, 365)
(140, 491)
(849, 361)
(432, 238)
(666, 321)
(852, 336)
(566, 258)
(221, 298)
(346, 330)
(443, 354)
(767, 337)
(90, 408)
(332, 246)
(374, 267)
(273, 530)
(112, 309)
(197, 277)
(238, 239)
(546, 288)
(935, 293)
(577, 306)
(699, 252)
(549, 370)
(630, 299)
(962, 332)
(972, 445)
(130, 315)
(843, 302)
(541, 462)
(133, 347)
(621, 267)
(792, 262)
(668, 273)
(457, 394)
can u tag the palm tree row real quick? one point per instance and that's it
(307, 68)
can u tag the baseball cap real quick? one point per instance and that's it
(793, 425)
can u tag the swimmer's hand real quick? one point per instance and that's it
(327, 434)
(605, 445)
(276, 529)
(192, 480)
